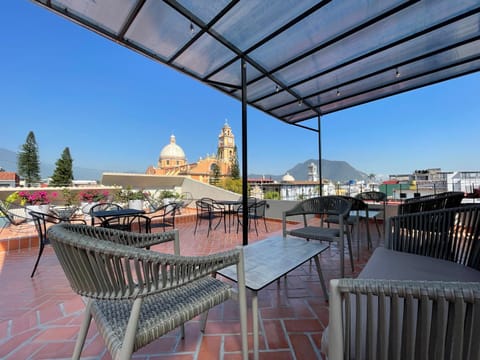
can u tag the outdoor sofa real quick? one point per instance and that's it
(418, 297)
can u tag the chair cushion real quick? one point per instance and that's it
(316, 232)
(159, 313)
(396, 265)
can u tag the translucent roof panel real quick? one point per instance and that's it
(303, 59)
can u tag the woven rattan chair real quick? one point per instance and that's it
(405, 320)
(135, 295)
(323, 206)
(376, 201)
(417, 298)
(354, 219)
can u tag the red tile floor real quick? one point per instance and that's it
(40, 317)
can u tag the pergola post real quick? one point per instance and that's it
(320, 155)
(244, 154)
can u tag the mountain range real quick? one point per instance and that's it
(333, 170)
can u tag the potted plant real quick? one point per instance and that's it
(36, 200)
(135, 199)
(91, 197)
(168, 196)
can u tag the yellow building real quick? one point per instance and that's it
(172, 160)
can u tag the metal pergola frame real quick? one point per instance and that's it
(294, 60)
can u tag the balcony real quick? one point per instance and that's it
(40, 317)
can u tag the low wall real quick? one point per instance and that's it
(58, 200)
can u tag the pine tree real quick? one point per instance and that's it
(215, 174)
(28, 162)
(63, 174)
(235, 170)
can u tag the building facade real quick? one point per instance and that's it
(172, 160)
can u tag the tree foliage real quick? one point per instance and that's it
(272, 195)
(28, 162)
(235, 170)
(63, 173)
(215, 174)
(234, 185)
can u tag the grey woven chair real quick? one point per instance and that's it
(387, 319)
(376, 200)
(323, 206)
(417, 298)
(354, 219)
(135, 295)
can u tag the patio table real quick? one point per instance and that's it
(268, 260)
(229, 206)
(105, 215)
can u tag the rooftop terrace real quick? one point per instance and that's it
(40, 317)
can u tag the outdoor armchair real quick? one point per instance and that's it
(416, 298)
(358, 213)
(135, 295)
(376, 201)
(322, 207)
(164, 216)
(209, 210)
(256, 211)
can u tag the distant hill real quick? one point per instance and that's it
(331, 169)
(8, 161)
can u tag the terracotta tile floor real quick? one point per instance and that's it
(40, 317)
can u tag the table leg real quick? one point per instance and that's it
(320, 275)
(255, 324)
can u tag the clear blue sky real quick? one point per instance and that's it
(116, 109)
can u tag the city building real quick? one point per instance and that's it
(9, 179)
(173, 161)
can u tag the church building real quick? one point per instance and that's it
(172, 160)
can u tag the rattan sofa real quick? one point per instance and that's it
(417, 298)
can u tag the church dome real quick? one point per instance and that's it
(172, 151)
(288, 178)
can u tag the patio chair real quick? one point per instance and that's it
(322, 207)
(164, 216)
(184, 201)
(102, 207)
(42, 221)
(14, 215)
(256, 211)
(376, 200)
(207, 209)
(135, 296)
(64, 212)
(354, 219)
(138, 222)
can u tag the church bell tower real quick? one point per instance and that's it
(226, 144)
